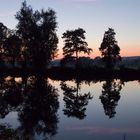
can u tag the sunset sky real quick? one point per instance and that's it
(94, 16)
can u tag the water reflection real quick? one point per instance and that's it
(75, 102)
(10, 96)
(7, 133)
(110, 96)
(36, 102)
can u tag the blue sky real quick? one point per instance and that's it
(94, 16)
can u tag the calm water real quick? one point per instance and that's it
(35, 108)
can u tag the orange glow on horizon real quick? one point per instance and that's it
(126, 50)
(131, 52)
(123, 53)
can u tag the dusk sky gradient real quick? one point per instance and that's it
(94, 16)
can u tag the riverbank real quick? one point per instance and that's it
(96, 74)
(81, 74)
(88, 69)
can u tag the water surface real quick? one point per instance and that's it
(40, 108)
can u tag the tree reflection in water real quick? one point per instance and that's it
(10, 96)
(110, 96)
(36, 102)
(75, 102)
(7, 133)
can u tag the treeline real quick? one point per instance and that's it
(35, 41)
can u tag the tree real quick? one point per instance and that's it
(10, 44)
(38, 33)
(12, 47)
(109, 48)
(75, 43)
(3, 36)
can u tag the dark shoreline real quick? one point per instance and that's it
(81, 74)
(99, 74)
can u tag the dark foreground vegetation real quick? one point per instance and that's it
(98, 74)
(65, 74)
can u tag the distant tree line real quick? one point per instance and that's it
(35, 41)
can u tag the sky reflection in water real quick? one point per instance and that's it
(71, 109)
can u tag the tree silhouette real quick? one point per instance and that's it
(109, 48)
(38, 33)
(75, 43)
(110, 96)
(75, 102)
(12, 47)
(10, 44)
(3, 36)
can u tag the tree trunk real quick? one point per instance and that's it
(76, 59)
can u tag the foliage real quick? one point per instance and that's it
(3, 33)
(10, 44)
(3, 36)
(38, 33)
(12, 47)
(109, 48)
(75, 43)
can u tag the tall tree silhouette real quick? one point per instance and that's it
(75, 102)
(75, 43)
(38, 33)
(109, 48)
(110, 96)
